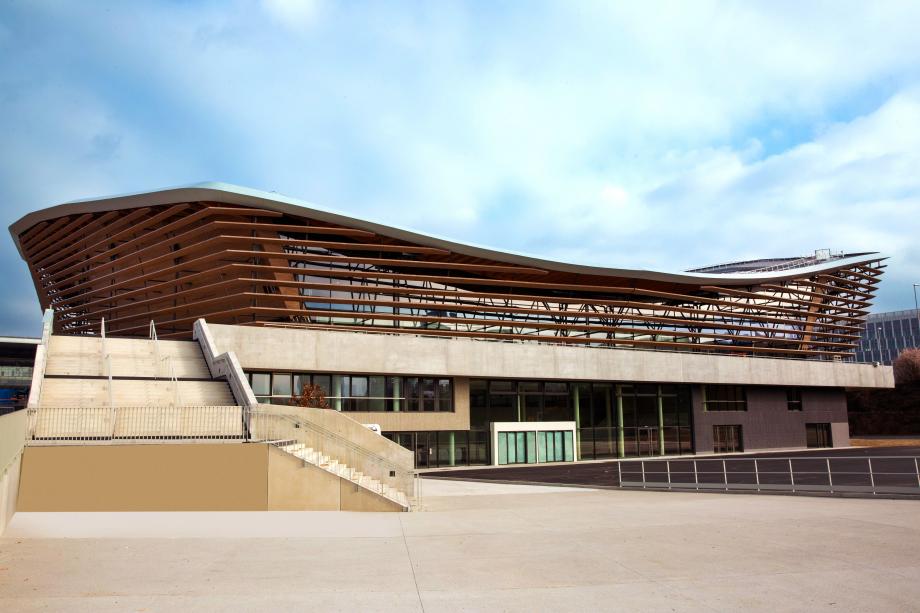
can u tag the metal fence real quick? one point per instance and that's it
(859, 474)
(104, 425)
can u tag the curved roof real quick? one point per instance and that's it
(233, 194)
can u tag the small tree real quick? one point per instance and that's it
(311, 396)
(907, 367)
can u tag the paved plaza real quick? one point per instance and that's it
(478, 547)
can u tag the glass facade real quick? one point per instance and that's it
(372, 393)
(612, 420)
(886, 335)
(445, 448)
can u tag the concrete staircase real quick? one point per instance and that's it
(331, 465)
(143, 373)
(93, 390)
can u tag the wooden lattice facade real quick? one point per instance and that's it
(251, 261)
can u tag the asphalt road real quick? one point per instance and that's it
(892, 467)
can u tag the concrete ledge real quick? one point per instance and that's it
(406, 354)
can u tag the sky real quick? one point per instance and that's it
(654, 135)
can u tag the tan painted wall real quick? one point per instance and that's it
(223, 477)
(144, 478)
(333, 351)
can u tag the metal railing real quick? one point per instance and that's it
(285, 429)
(842, 474)
(16, 372)
(116, 425)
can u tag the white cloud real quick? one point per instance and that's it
(298, 15)
(658, 134)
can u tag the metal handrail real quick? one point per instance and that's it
(138, 424)
(279, 428)
(792, 480)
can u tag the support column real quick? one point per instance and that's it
(397, 394)
(576, 402)
(452, 448)
(660, 423)
(620, 441)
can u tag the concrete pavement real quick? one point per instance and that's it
(478, 546)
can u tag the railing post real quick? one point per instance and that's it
(619, 474)
(756, 474)
(696, 478)
(917, 468)
(642, 464)
(667, 466)
(725, 475)
(791, 476)
(871, 476)
(830, 478)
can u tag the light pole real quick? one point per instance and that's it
(878, 341)
(917, 309)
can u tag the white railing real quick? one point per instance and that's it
(117, 425)
(106, 363)
(804, 474)
(41, 359)
(282, 429)
(224, 365)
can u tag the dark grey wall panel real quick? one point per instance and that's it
(768, 424)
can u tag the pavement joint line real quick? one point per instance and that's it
(418, 592)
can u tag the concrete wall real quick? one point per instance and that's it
(252, 477)
(768, 424)
(352, 352)
(12, 439)
(350, 428)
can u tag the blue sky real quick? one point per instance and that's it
(648, 134)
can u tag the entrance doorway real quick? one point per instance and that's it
(727, 439)
(818, 435)
(649, 444)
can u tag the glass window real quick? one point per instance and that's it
(412, 393)
(261, 384)
(445, 395)
(358, 387)
(604, 403)
(556, 408)
(428, 394)
(479, 404)
(501, 386)
(581, 402)
(323, 382)
(794, 399)
(724, 398)
(299, 381)
(529, 387)
(281, 384)
(503, 407)
(376, 387)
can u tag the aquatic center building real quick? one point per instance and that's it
(461, 354)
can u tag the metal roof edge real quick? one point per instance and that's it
(234, 194)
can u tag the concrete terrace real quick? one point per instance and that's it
(478, 546)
